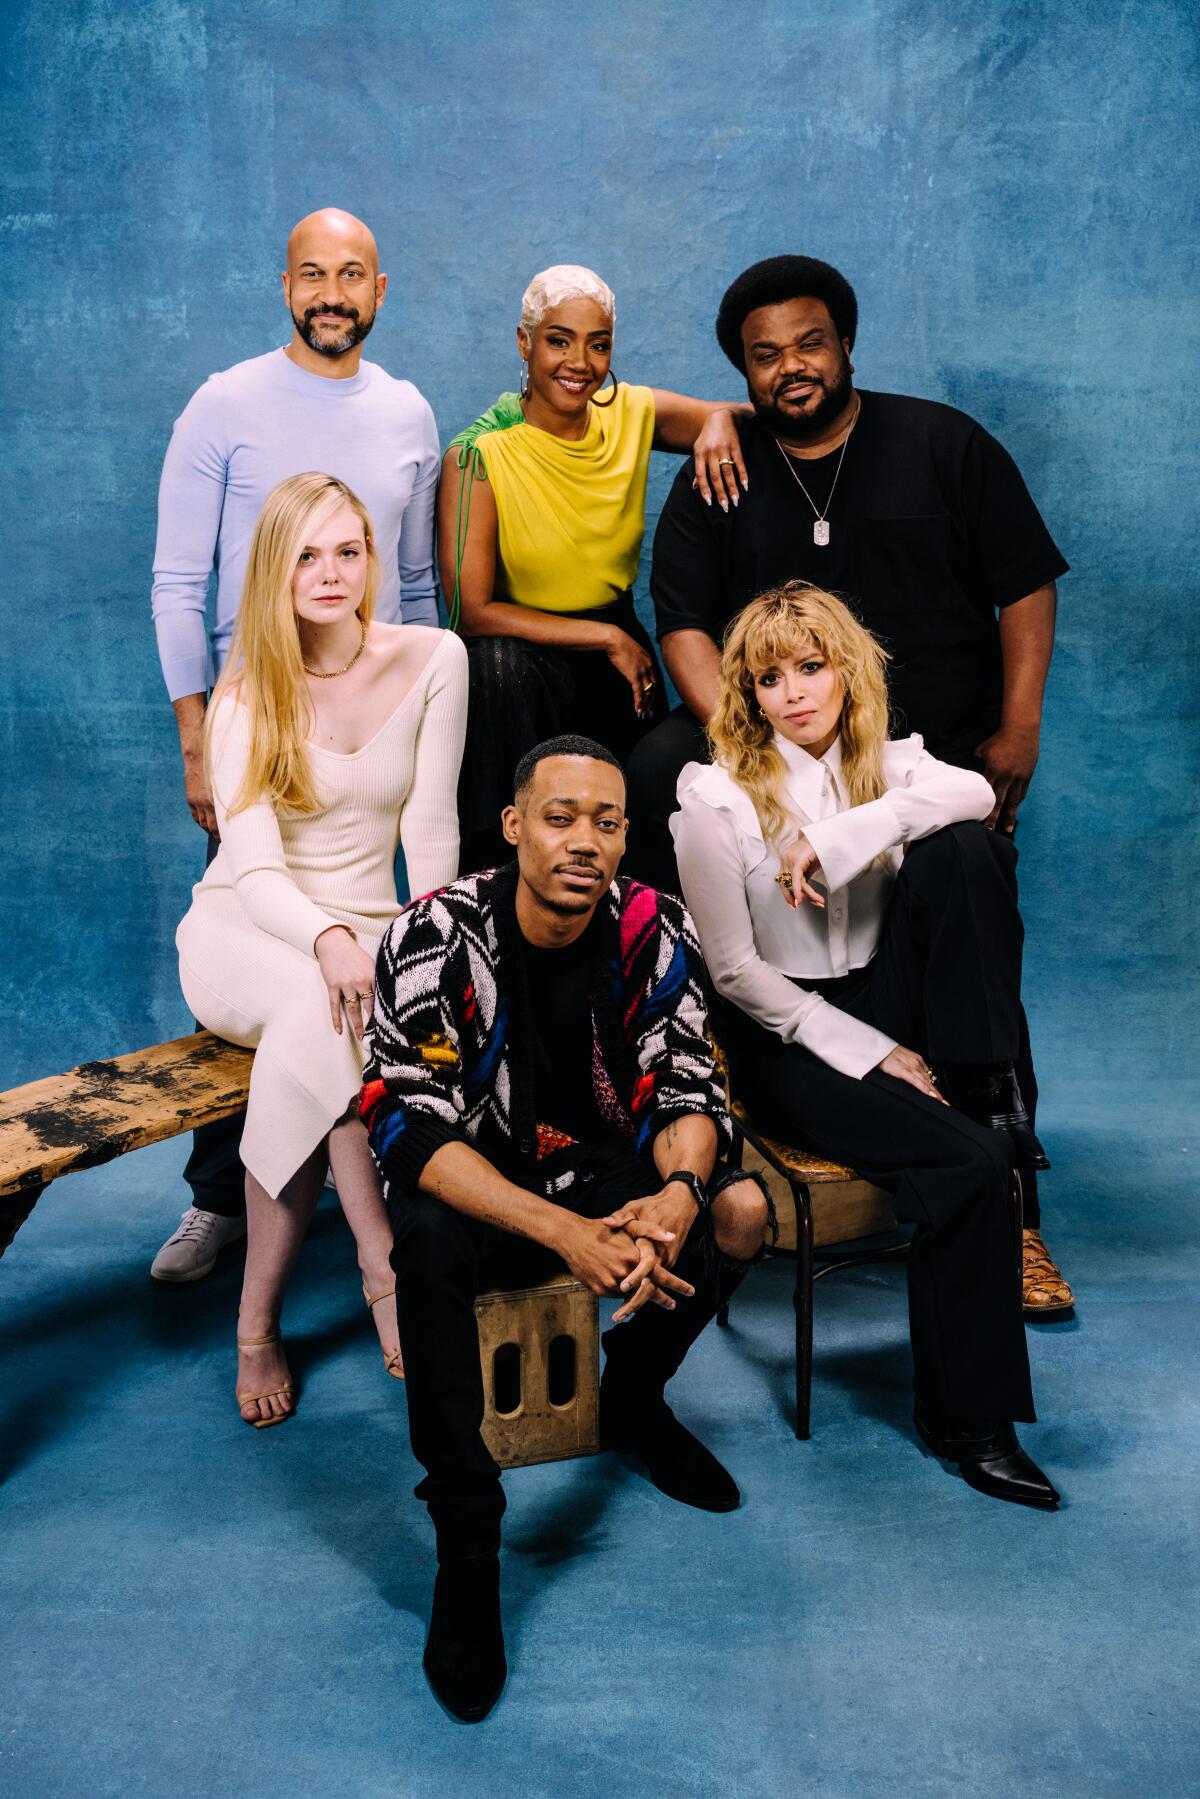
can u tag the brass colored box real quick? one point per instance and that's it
(540, 1352)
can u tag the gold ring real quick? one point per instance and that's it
(726, 462)
(784, 879)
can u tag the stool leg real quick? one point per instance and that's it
(804, 1307)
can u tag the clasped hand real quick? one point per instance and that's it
(658, 1226)
(630, 1253)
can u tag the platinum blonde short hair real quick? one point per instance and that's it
(565, 281)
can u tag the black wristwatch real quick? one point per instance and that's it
(691, 1179)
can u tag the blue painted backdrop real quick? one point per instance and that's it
(1007, 184)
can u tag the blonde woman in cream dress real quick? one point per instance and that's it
(331, 739)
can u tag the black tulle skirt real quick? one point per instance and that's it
(522, 693)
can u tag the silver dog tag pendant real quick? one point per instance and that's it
(821, 531)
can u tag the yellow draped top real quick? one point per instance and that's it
(571, 514)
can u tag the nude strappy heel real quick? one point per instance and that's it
(393, 1360)
(252, 1398)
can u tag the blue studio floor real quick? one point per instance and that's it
(193, 1608)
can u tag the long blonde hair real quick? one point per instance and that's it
(779, 624)
(265, 670)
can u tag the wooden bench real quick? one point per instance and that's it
(100, 1110)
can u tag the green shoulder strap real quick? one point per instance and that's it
(500, 417)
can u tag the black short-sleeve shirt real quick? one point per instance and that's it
(931, 528)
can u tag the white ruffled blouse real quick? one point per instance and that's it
(752, 939)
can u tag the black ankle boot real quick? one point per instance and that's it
(989, 1093)
(464, 1653)
(677, 1462)
(989, 1458)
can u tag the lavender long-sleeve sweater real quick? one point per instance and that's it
(237, 437)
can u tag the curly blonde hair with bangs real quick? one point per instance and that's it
(782, 623)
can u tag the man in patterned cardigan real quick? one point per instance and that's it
(541, 1092)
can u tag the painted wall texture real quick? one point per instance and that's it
(1009, 186)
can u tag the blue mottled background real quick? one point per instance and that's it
(1008, 185)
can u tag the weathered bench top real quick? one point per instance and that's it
(96, 1112)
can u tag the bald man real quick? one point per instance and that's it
(314, 404)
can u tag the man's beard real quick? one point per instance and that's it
(804, 427)
(333, 346)
(569, 908)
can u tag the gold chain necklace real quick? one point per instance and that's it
(821, 522)
(331, 674)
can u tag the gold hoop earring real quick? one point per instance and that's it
(605, 404)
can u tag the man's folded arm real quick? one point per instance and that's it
(679, 1076)
(412, 1096)
(412, 1100)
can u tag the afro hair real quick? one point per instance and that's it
(784, 278)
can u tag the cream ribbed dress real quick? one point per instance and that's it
(247, 961)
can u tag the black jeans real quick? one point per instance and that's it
(945, 982)
(214, 1169)
(444, 1260)
(652, 775)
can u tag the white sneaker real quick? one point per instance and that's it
(192, 1252)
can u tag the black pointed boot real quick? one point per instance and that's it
(989, 1458)
(464, 1652)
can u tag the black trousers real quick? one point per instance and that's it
(443, 1260)
(651, 776)
(945, 981)
(653, 772)
(520, 694)
(214, 1169)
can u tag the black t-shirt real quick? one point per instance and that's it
(931, 528)
(559, 984)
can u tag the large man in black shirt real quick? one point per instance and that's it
(909, 511)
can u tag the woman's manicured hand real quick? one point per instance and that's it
(631, 660)
(717, 453)
(798, 867)
(907, 1065)
(349, 975)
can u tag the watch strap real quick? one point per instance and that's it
(691, 1179)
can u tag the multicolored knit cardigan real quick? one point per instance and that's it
(450, 1056)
